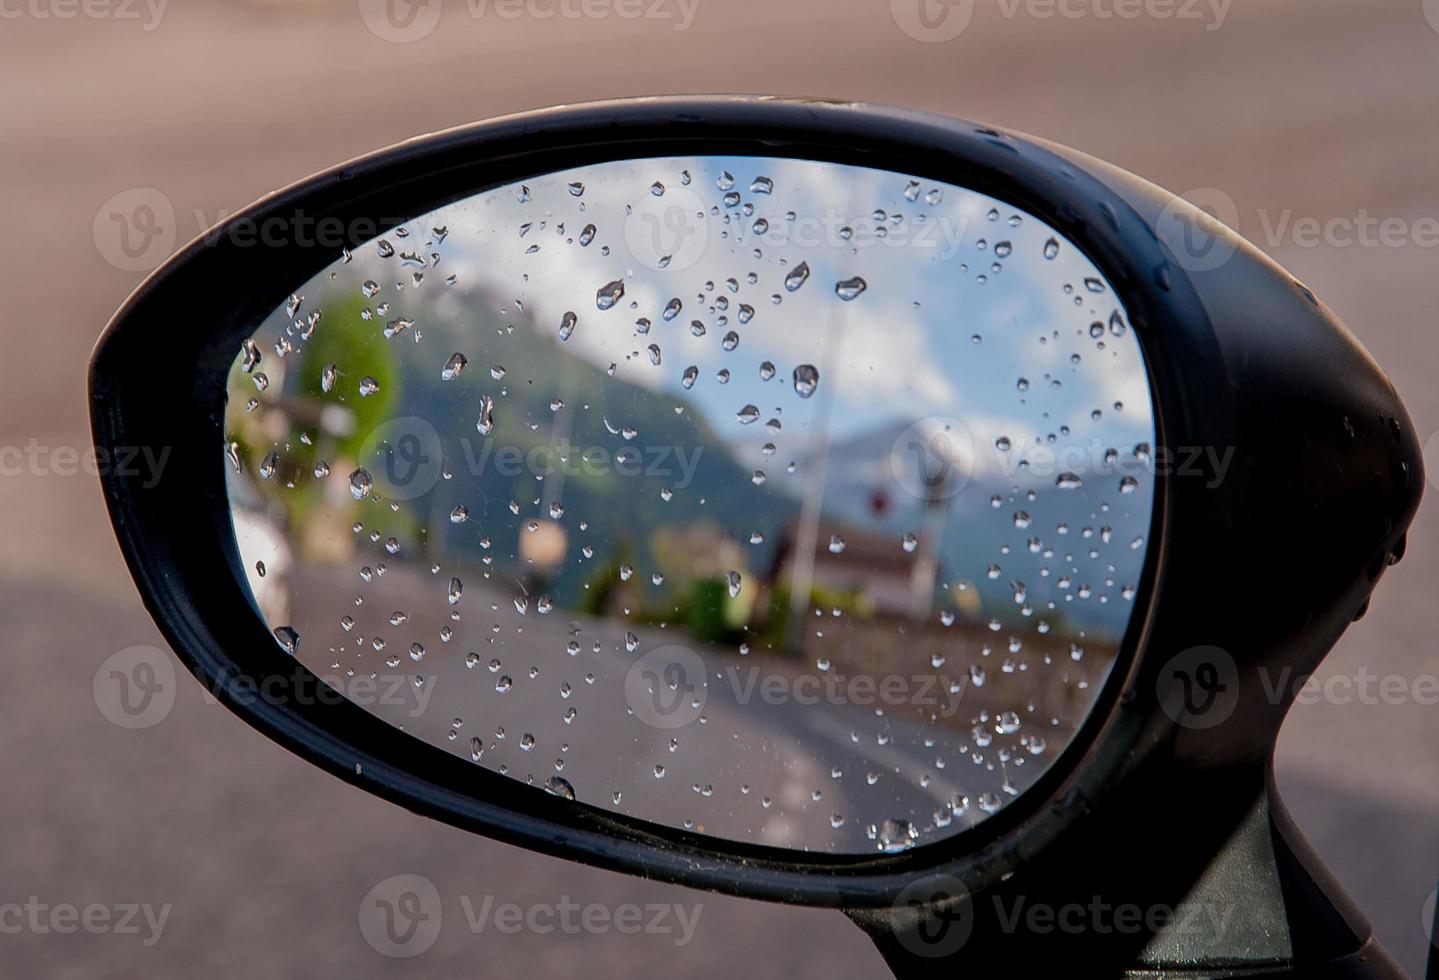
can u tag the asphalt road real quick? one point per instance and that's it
(1298, 112)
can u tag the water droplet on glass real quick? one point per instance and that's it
(288, 638)
(609, 294)
(559, 786)
(360, 484)
(848, 289)
(894, 835)
(735, 583)
(806, 379)
(453, 367)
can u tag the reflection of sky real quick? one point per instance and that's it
(908, 346)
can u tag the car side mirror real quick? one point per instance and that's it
(802, 500)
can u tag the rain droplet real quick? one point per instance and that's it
(797, 277)
(733, 580)
(288, 637)
(486, 423)
(806, 379)
(453, 367)
(559, 786)
(848, 289)
(567, 325)
(360, 484)
(896, 835)
(609, 294)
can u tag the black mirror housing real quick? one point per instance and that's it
(1293, 473)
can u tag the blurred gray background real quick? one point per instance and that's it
(1299, 113)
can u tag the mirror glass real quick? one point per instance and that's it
(784, 501)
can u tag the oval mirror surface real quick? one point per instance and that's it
(787, 502)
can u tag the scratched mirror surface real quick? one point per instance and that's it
(783, 501)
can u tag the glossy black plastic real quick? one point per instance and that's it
(1269, 563)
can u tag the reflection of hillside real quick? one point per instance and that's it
(608, 451)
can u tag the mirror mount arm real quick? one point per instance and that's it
(1271, 905)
